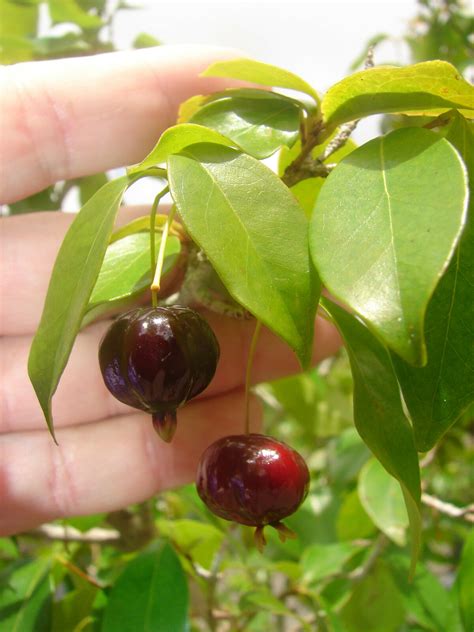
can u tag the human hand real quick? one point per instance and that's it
(61, 120)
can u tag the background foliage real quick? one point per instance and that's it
(169, 564)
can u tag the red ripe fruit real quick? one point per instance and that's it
(156, 359)
(253, 479)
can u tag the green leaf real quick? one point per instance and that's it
(255, 235)
(73, 278)
(125, 271)
(261, 73)
(70, 11)
(429, 88)
(177, 138)
(265, 600)
(378, 413)
(90, 185)
(382, 499)
(434, 394)
(307, 191)
(18, 21)
(145, 40)
(73, 608)
(25, 598)
(319, 561)
(375, 604)
(258, 123)
(465, 583)
(198, 539)
(385, 227)
(425, 599)
(353, 522)
(150, 595)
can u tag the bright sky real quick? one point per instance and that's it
(317, 39)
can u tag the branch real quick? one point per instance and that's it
(70, 534)
(467, 512)
(362, 571)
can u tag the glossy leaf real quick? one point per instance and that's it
(319, 561)
(436, 394)
(258, 124)
(125, 270)
(307, 191)
(25, 598)
(151, 594)
(261, 73)
(73, 278)
(177, 138)
(382, 499)
(384, 229)
(378, 413)
(428, 88)
(465, 583)
(375, 604)
(255, 235)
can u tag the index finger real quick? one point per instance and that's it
(68, 118)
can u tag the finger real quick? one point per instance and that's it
(19, 408)
(67, 118)
(106, 465)
(28, 248)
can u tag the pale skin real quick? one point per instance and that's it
(60, 120)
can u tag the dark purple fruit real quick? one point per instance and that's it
(158, 358)
(254, 480)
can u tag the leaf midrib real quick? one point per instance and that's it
(275, 291)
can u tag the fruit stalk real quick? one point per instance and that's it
(156, 201)
(248, 374)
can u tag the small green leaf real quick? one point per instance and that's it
(177, 138)
(353, 522)
(375, 605)
(260, 122)
(150, 595)
(125, 270)
(307, 191)
(378, 413)
(429, 88)
(255, 235)
(198, 539)
(261, 73)
(434, 394)
(73, 278)
(264, 600)
(425, 599)
(382, 499)
(465, 583)
(73, 608)
(385, 227)
(319, 561)
(26, 597)
(70, 11)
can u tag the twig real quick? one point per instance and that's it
(362, 571)
(346, 130)
(467, 512)
(304, 166)
(70, 534)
